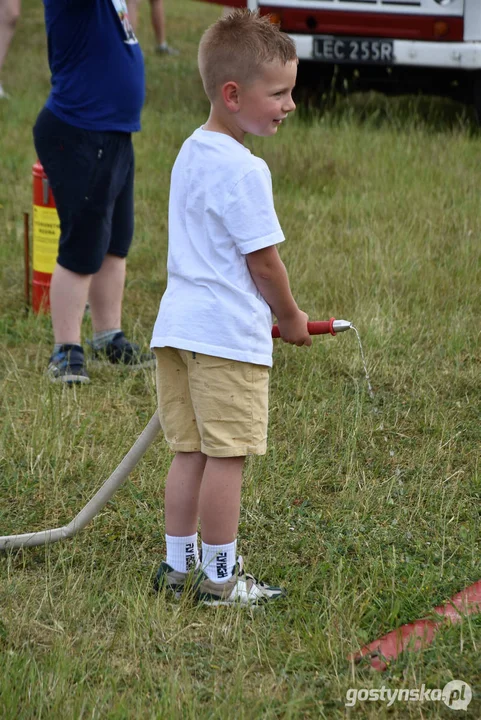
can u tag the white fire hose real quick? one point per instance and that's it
(95, 505)
(122, 471)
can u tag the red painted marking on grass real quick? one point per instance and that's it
(418, 634)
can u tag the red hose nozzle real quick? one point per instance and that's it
(320, 327)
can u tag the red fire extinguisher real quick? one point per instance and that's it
(46, 233)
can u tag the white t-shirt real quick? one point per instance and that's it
(221, 208)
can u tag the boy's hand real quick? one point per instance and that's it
(294, 330)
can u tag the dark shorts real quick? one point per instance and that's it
(92, 179)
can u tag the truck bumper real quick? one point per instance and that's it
(452, 55)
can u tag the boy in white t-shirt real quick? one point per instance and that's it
(212, 337)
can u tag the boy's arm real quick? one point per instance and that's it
(270, 276)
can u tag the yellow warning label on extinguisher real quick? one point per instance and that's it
(46, 233)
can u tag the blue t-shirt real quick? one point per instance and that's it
(96, 63)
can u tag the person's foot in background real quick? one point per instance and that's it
(157, 18)
(165, 49)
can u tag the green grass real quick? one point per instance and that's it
(368, 511)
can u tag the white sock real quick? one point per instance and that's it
(218, 561)
(182, 552)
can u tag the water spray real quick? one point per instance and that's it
(136, 452)
(333, 326)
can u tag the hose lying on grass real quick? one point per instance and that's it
(123, 470)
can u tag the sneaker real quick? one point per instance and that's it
(67, 365)
(240, 589)
(171, 579)
(165, 49)
(3, 94)
(120, 351)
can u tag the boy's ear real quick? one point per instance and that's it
(230, 96)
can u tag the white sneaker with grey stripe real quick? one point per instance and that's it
(240, 589)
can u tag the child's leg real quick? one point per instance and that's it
(219, 516)
(182, 510)
(220, 493)
(223, 580)
(182, 493)
(177, 417)
(210, 488)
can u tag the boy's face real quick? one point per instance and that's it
(266, 101)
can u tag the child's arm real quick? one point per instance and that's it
(270, 276)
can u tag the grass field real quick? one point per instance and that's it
(366, 510)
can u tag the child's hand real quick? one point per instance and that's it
(294, 330)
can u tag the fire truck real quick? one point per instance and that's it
(396, 46)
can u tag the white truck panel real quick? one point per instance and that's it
(472, 20)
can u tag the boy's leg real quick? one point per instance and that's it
(182, 491)
(181, 516)
(223, 580)
(210, 488)
(184, 478)
(219, 516)
(220, 494)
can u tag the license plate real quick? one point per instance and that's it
(353, 50)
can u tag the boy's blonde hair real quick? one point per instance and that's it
(237, 45)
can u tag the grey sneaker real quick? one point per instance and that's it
(67, 366)
(240, 589)
(175, 581)
(165, 49)
(120, 351)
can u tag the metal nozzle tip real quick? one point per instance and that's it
(341, 325)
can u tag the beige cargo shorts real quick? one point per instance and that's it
(211, 404)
